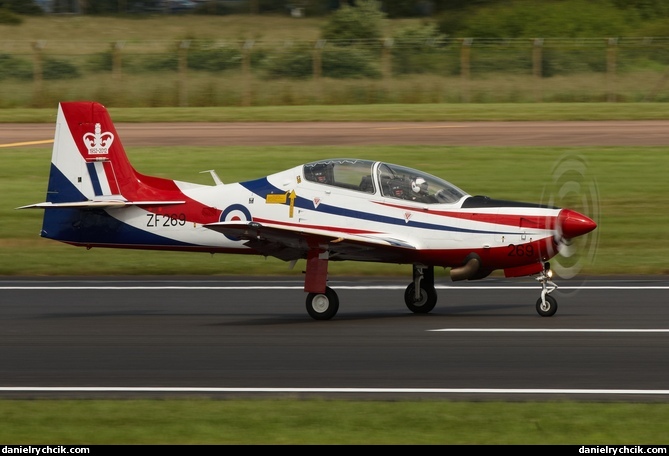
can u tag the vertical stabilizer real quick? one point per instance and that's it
(88, 162)
(89, 166)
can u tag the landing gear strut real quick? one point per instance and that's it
(546, 305)
(421, 296)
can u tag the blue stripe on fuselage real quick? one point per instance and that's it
(95, 226)
(262, 188)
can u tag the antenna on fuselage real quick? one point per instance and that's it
(214, 176)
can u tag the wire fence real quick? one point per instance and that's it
(248, 72)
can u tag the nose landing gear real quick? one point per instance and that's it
(546, 304)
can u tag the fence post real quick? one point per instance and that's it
(317, 61)
(611, 54)
(387, 57)
(116, 59)
(183, 69)
(317, 68)
(246, 71)
(537, 49)
(38, 70)
(465, 60)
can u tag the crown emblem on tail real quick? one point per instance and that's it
(99, 142)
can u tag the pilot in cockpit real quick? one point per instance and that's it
(397, 189)
(320, 174)
(419, 189)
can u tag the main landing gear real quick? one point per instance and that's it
(421, 296)
(323, 306)
(546, 304)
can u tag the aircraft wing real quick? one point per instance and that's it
(290, 243)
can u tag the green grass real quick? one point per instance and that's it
(379, 112)
(318, 421)
(66, 30)
(82, 44)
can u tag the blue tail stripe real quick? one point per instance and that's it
(92, 172)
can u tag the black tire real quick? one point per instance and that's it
(550, 308)
(323, 306)
(427, 301)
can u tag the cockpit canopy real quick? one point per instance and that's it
(388, 180)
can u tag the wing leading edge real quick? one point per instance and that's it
(292, 243)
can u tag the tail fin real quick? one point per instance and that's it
(89, 153)
(90, 174)
(89, 166)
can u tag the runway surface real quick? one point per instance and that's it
(233, 337)
(610, 133)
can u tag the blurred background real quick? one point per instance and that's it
(127, 53)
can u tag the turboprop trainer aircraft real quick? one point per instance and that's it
(328, 210)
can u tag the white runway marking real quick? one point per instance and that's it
(141, 389)
(552, 330)
(300, 287)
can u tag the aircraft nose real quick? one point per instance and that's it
(573, 224)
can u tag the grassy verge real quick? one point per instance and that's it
(330, 422)
(377, 112)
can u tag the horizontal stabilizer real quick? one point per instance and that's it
(100, 204)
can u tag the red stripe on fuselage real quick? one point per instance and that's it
(518, 220)
(502, 257)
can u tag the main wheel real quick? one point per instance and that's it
(549, 309)
(426, 301)
(323, 306)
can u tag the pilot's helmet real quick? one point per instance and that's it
(397, 189)
(419, 185)
(320, 173)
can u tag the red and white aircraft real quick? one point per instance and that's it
(328, 210)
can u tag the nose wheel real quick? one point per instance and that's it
(546, 304)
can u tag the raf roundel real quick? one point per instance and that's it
(235, 213)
